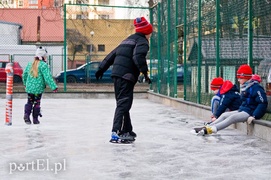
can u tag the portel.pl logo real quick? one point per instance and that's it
(38, 165)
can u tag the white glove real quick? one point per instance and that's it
(250, 119)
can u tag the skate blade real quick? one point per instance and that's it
(197, 130)
(193, 132)
(201, 133)
(121, 141)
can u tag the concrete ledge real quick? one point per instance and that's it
(258, 128)
(201, 111)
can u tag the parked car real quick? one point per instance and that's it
(180, 74)
(17, 71)
(80, 74)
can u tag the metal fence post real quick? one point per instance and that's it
(9, 92)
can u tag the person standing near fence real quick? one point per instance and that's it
(254, 103)
(35, 77)
(128, 60)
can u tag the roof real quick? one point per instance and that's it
(9, 23)
(232, 48)
(51, 23)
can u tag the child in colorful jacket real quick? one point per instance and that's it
(35, 77)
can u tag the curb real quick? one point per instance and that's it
(259, 128)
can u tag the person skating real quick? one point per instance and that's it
(128, 60)
(35, 77)
(254, 103)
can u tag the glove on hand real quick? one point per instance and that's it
(250, 119)
(55, 90)
(99, 74)
(147, 79)
(213, 119)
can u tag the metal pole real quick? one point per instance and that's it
(9, 93)
(168, 46)
(199, 54)
(159, 47)
(151, 44)
(250, 34)
(65, 49)
(175, 49)
(217, 37)
(184, 51)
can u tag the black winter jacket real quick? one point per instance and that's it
(129, 58)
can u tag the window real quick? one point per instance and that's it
(103, 2)
(33, 7)
(94, 66)
(101, 47)
(90, 48)
(21, 3)
(33, 2)
(103, 16)
(78, 16)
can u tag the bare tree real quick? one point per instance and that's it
(76, 41)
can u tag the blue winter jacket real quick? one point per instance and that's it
(230, 98)
(254, 101)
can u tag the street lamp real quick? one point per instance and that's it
(91, 33)
(89, 59)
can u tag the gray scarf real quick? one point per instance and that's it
(248, 84)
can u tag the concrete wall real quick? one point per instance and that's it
(259, 128)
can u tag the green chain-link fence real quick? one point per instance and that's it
(92, 34)
(206, 38)
(213, 38)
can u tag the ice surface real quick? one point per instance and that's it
(72, 142)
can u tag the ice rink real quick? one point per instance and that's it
(72, 142)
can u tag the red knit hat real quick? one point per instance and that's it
(216, 83)
(142, 26)
(256, 77)
(244, 72)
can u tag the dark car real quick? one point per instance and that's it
(80, 74)
(180, 73)
(17, 72)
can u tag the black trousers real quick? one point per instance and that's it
(124, 90)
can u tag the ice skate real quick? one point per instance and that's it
(132, 133)
(205, 130)
(197, 130)
(114, 138)
(128, 137)
(207, 123)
